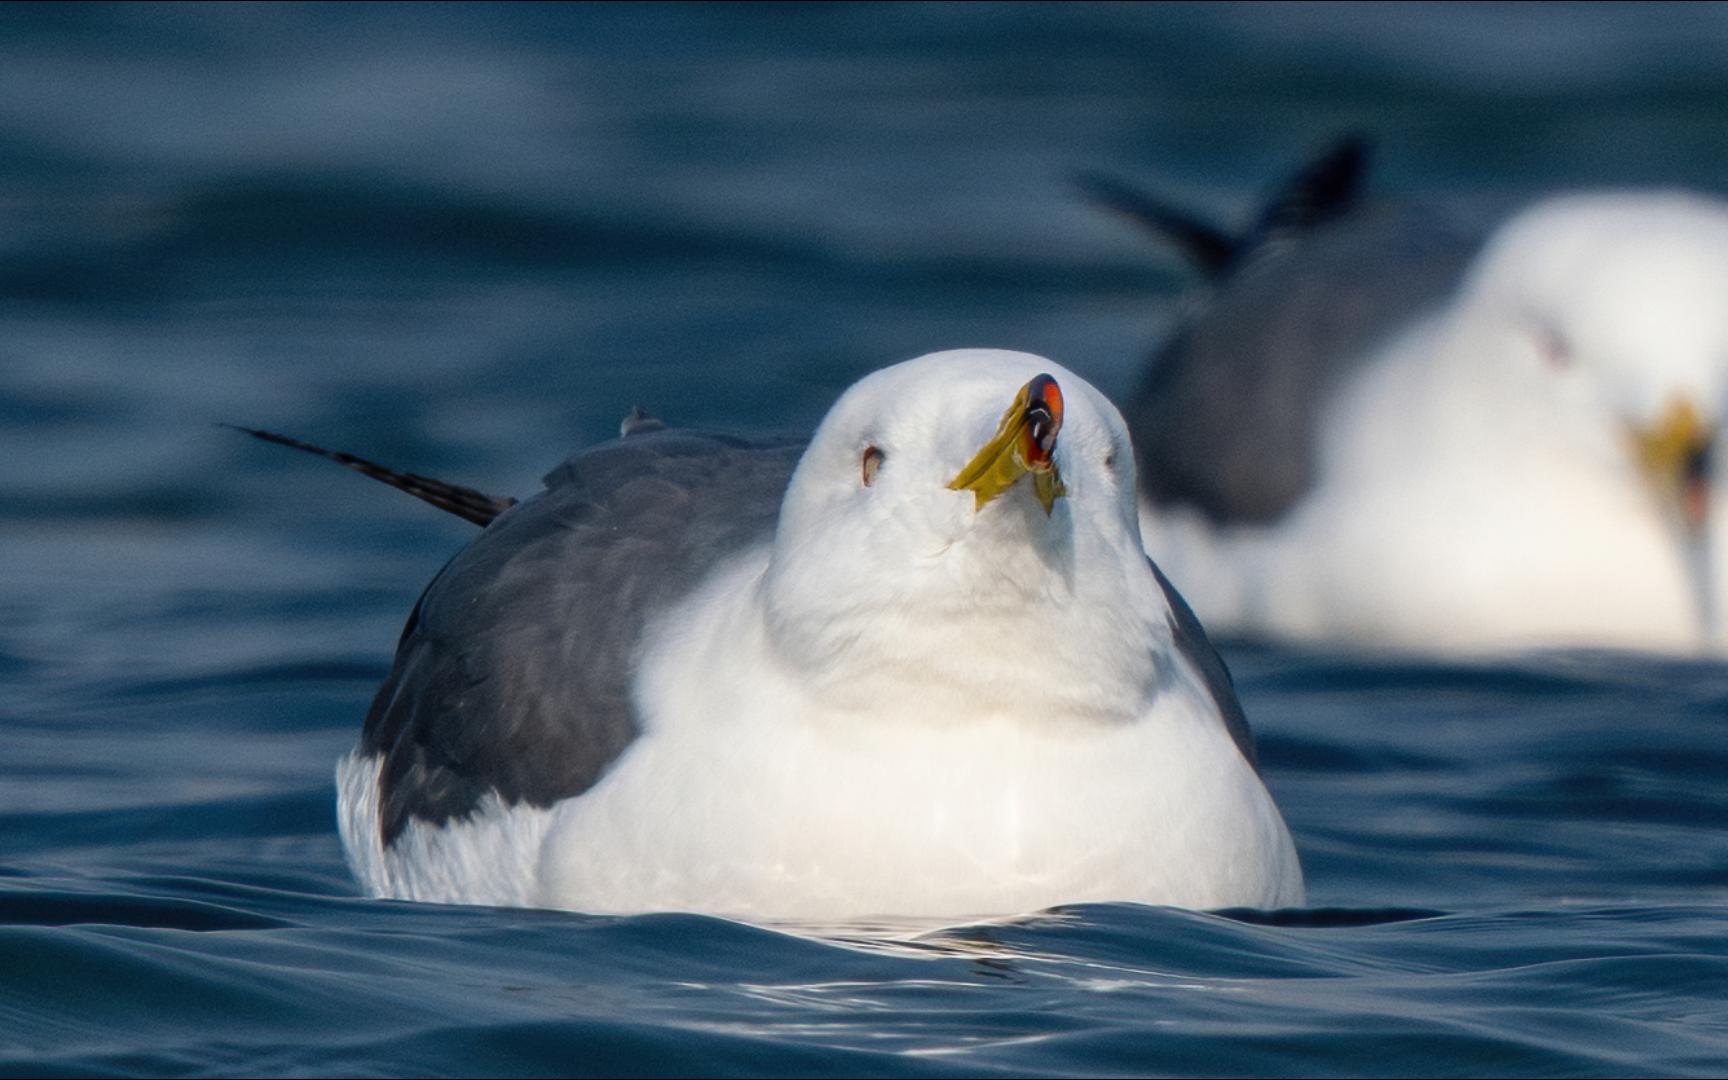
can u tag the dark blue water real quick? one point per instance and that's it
(467, 240)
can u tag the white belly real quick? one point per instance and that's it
(805, 823)
(747, 795)
(981, 819)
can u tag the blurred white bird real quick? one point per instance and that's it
(1377, 432)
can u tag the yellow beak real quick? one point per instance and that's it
(1675, 456)
(1024, 442)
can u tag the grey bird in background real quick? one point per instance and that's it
(1375, 426)
(1226, 418)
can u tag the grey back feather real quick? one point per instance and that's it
(513, 673)
(1227, 420)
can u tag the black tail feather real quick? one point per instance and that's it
(1327, 186)
(464, 502)
(1211, 250)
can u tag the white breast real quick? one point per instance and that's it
(744, 797)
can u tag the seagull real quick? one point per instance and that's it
(1388, 431)
(918, 666)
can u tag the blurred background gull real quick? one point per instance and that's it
(467, 239)
(1377, 428)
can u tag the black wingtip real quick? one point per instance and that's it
(464, 502)
(1327, 186)
(1208, 248)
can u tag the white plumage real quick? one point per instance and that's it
(900, 703)
(1529, 466)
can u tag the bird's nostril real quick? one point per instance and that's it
(1043, 428)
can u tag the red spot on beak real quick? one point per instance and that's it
(1043, 418)
(1695, 503)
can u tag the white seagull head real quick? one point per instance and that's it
(968, 521)
(1617, 303)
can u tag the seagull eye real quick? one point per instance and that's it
(868, 465)
(1555, 350)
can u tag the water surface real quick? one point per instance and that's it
(467, 240)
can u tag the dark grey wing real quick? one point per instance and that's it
(1227, 419)
(1192, 642)
(513, 673)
